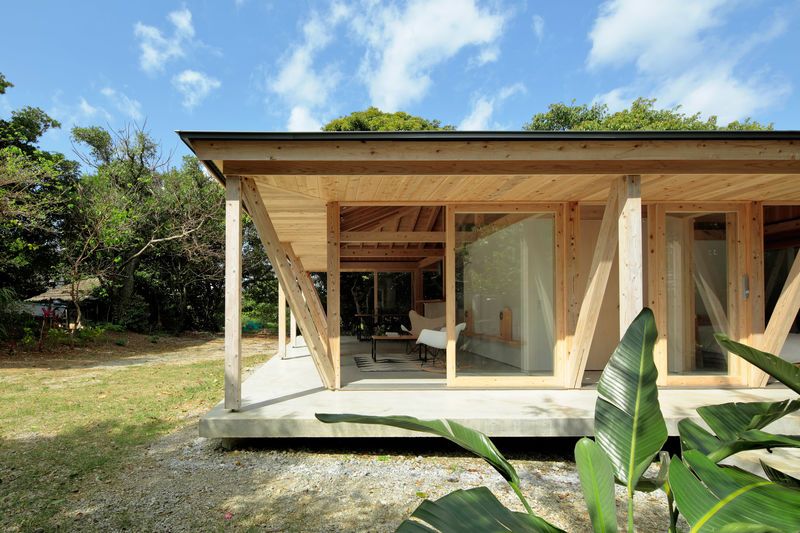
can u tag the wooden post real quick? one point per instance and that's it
(334, 282)
(603, 258)
(233, 293)
(317, 346)
(631, 275)
(292, 329)
(450, 291)
(418, 305)
(281, 321)
(783, 316)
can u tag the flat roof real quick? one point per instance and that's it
(700, 135)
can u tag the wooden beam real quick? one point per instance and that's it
(392, 236)
(292, 329)
(657, 284)
(510, 167)
(338, 149)
(783, 316)
(450, 292)
(389, 253)
(755, 310)
(603, 258)
(294, 294)
(572, 276)
(310, 294)
(334, 297)
(782, 227)
(233, 294)
(631, 274)
(428, 261)
(378, 266)
(281, 321)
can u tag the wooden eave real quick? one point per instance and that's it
(392, 182)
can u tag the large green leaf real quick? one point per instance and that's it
(710, 496)
(469, 439)
(629, 425)
(783, 371)
(466, 511)
(779, 477)
(694, 437)
(647, 484)
(597, 481)
(730, 420)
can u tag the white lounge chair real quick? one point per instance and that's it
(419, 322)
(437, 339)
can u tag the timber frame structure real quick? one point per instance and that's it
(389, 202)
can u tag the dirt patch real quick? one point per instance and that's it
(186, 483)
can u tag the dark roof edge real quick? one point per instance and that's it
(475, 136)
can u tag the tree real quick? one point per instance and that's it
(130, 205)
(36, 197)
(642, 115)
(373, 119)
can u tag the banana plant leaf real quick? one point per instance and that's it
(629, 425)
(647, 484)
(466, 511)
(694, 437)
(469, 439)
(729, 420)
(710, 496)
(783, 371)
(741, 527)
(597, 481)
(780, 477)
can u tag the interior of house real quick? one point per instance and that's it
(505, 268)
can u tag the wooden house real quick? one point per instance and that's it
(549, 244)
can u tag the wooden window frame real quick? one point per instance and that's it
(561, 351)
(737, 234)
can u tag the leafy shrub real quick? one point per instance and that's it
(121, 342)
(629, 434)
(153, 339)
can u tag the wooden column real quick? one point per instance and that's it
(450, 291)
(418, 305)
(334, 282)
(603, 258)
(317, 346)
(292, 329)
(783, 316)
(233, 293)
(281, 321)
(631, 275)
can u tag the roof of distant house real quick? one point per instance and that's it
(63, 292)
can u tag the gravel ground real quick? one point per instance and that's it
(186, 483)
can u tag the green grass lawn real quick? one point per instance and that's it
(65, 428)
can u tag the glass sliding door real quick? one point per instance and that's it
(505, 270)
(701, 254)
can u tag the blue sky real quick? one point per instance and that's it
(293, 65)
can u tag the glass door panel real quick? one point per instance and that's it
(700, 252)
(505, 305)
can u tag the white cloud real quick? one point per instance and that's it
(298, 81)
(405, 42)
(300, 119)
(483, 108)
(82, 113)
(490, 54)
(156, 48)
(538, 27)
(681, 59)
(478, 118)
(194, 86)
(124, 104)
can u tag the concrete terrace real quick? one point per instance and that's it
(280, 399)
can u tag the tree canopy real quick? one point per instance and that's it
(373, 119)
(642, 115)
